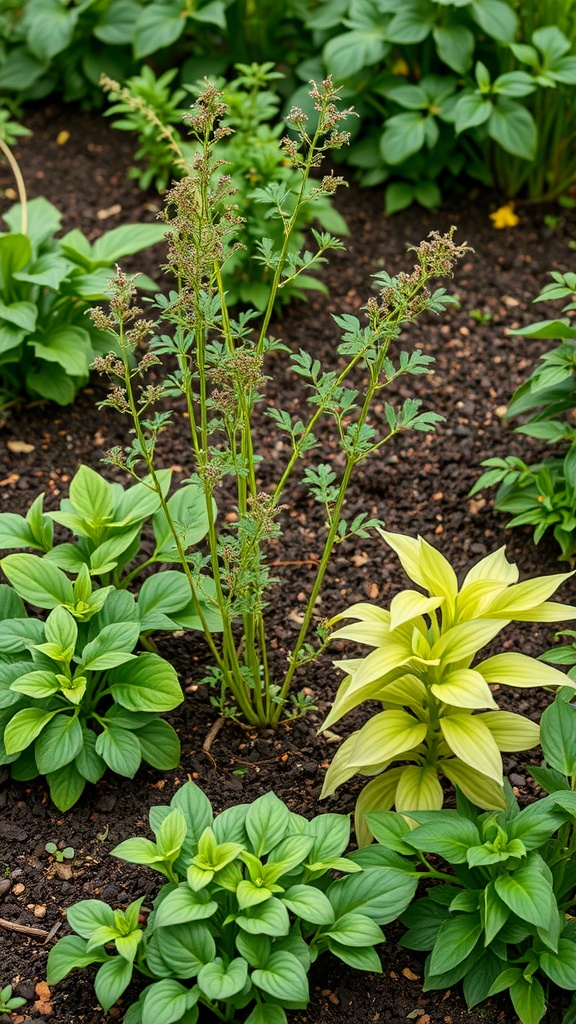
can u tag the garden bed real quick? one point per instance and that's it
(419, 484)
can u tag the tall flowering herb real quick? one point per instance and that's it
(220, 359)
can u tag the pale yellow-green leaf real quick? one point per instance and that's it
(408, 551)
(381, 661)
(373, 633)
(463, 641)
(348, 665)
(464, 688)
(365, 612)
(473, 743)
(511, 731)
(348, 697)
(419, 790)
(339, 769)
(387, 735)
(480, 790)
(409, 604)
(408, 691)
(528, 595)
(494, 567)
(375, 769)
(377, 795)
(548, 611)
(521, 670)
(476, 599)
(419, 643)
(439, 575)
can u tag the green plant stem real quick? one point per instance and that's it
(14, 167)
(351, 459)
(245, 704)
(135, 572)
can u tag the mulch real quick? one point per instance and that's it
(419, 484)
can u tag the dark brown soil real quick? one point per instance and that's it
(420, 484)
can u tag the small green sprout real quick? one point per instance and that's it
(8, 1003)
(60, 855)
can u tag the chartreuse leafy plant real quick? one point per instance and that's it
(74, 697)
(251, 153)
(221, 370)
(439, 713)
(543, 494)
(250, 902)
(108, 521)
(47, 344)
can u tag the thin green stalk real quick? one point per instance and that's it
(330, 541)
(238, 694)
(351, 460)
(126, 580)
(14, 167)
(288, 229)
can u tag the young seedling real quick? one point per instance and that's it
(8, 1002)
(60, 855)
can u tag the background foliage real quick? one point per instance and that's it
(443, 87)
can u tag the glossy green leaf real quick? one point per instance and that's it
(283, 978)
(218, 981)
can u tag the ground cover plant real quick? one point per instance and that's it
(248, 150)
(108, 522)
(543, 494)
(251, 901)
(221, 370)
(500, 919)
(439, 713)
(74, 698)
(47, 284)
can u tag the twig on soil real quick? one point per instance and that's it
(211, 736)
(305, 561)
(24, 929)
(55, 928)
(255, 764)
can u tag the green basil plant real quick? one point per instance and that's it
(108, 521)
(74, 697)
(47, 284)
(439, 712)
(249, 903)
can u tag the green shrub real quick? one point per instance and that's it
(47, 343)
(498, 914)
(482, 88)
(74, 698)
(108, 521)
(250, 903)
(50, 47)
(543, 494)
